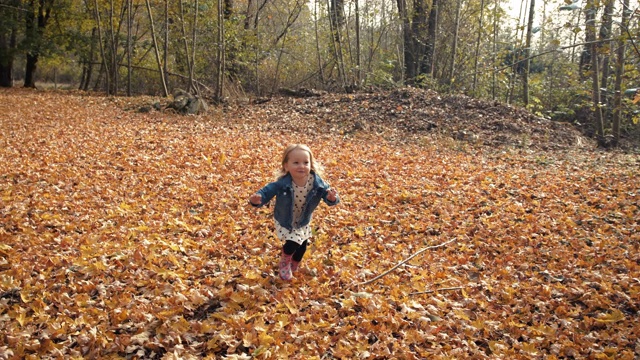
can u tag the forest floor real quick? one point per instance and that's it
(128, 234)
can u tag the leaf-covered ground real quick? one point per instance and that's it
(129, 235)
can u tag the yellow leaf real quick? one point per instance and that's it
(478, 324)
(529, 348)
(265, 339)
(21, 318)
(249, 339)
(615, 316)
(239, 297)
(461, 314)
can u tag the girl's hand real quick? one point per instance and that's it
(255, 199)
(332, 194)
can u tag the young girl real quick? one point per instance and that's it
(298, 191)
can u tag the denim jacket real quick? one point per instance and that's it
(282, 189)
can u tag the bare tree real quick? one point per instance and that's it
(593, 47)
(37, 17)
(432, 27)
(622, 42)
(105, 65)
(220, 53)
(477, 51)
(155, 46)
(454, 47)
(527, 54)
(8, 41)
(129, 29)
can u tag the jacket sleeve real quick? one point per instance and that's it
(267, 193)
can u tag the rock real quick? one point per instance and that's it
(186, 103)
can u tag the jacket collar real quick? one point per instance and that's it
(288, 180)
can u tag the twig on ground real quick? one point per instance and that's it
(404, 261)
(436, 290)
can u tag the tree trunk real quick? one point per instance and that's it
(495, 48)
(527, 54)
(36, 21)
(114, 51)
(605, 48)
(408, 51)
(129, 28)
(88, 71)
(454, 47)
(620, 72)
(220, 53)
(30, 70)
(605, 33)
(591, 36)
(105, 65)
(430, 49)
(319, 56)
(186, 48)
(6, 63)
(335, 14)
(419, 35)
(193, 49)
(358, 63)
(155, 46)
(165, 46)
(8, 42)
(477, 52)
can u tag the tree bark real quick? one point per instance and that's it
(165, 46)
(220, 53)
(591, 36)
(8, 43)
(495, 48)
(477, 52)
(527, 54)
(105, 65)
(408, 51)
(454, 47)
(155, 46)
(334, 16)
(622, 42)
(36, 21)
(129, 29)
(186, 48)
(430, 49)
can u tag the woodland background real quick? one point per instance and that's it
(125, 231)
(127, 234)
(568, 61)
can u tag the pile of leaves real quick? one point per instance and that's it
(129, 235)
(411, 112)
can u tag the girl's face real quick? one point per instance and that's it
(298, 164)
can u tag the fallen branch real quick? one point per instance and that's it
(404, 261)
(432, 291)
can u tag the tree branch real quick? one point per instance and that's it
(405, 261)
(550, 51)
(432, 291)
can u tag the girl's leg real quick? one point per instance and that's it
(288, 249)
(297, 256)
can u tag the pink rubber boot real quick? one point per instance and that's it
(285, 267)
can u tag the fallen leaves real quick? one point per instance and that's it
(129, 235)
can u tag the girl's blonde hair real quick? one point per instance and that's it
(315, 166)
